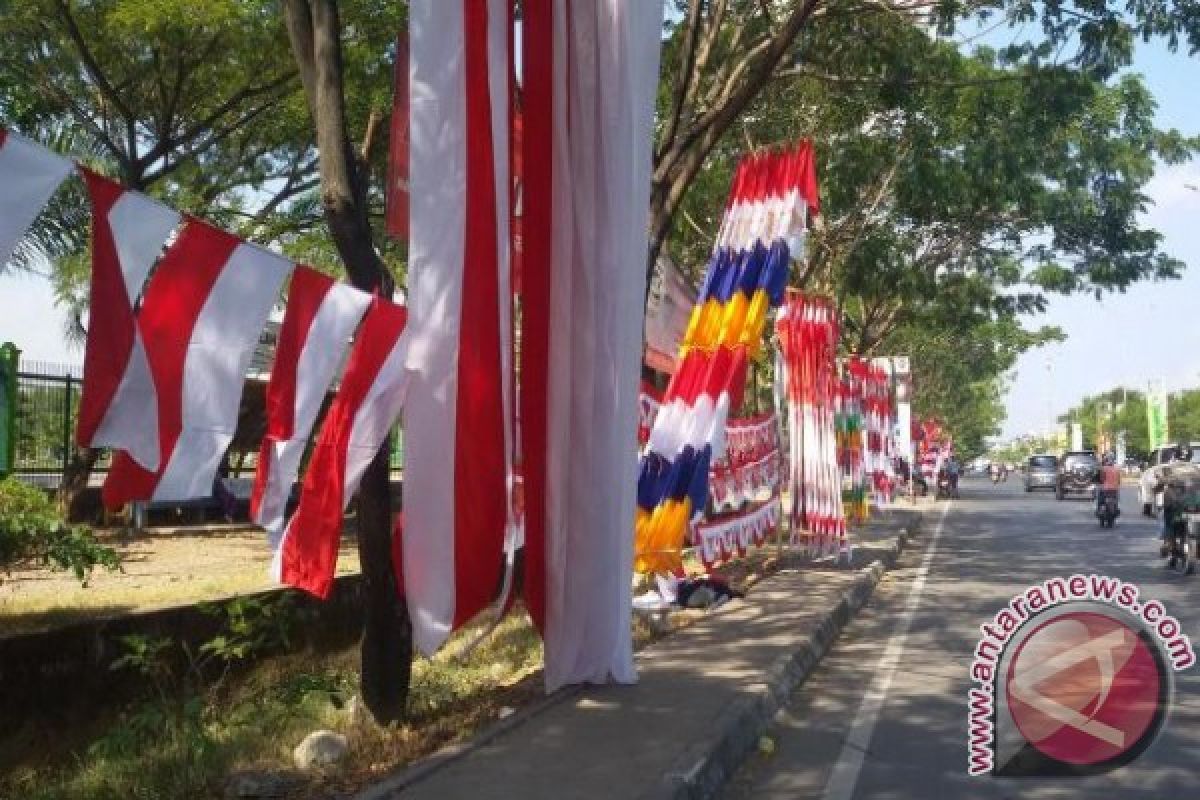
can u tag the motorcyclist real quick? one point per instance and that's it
(1171, 503)
(1109, 480)
(952, 471)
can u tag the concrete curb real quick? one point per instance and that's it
(709, 763)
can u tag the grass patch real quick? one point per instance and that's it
(186, 744)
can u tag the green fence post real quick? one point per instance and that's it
(10, 356)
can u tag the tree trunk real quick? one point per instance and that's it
(75, 480)
(315, 33)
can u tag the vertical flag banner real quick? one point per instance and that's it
(320, 319)
(590, 79)
(119, 405)
(29, 174)
(765, 220)
(808, 333)
(367, 405)
(1156, 415)
(458, 449)
(203, 310)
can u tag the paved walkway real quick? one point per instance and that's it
(694, 688)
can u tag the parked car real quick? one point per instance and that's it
(1041, 472)
(1077, 471)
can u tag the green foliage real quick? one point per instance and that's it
(195, 103)
(31, 531)
(1116, 410)
(1123, 409)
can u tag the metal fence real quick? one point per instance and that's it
(45, 412)
(39, 407)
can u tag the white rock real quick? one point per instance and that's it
(320, 749)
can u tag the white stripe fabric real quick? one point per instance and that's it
(606, 68)
(218, 356)
(457, 460)
(29, 174)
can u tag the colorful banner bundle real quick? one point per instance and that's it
(730, 537)
(879, 423)
(765, 221)
(808, 332)
(851, 439)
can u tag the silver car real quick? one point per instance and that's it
(1041, 472)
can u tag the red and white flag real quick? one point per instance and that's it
(320, 319)
(458, 463)
(364, 411)
(590, 79)
(200, 318)
(119, 406)
(29, 174)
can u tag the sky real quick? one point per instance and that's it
(1151, 331)
(1147, 333)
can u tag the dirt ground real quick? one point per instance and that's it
(162, 567)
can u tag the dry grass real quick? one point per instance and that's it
(160, 568)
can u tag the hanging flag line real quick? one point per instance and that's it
(730, 538)
(771, 196)
(177, 306)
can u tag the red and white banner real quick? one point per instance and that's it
(590, 80)
(119, 405)
(320, 319)
(458, 462)
(200, 319)
(729, 538)
(367, 405)
(29, 174)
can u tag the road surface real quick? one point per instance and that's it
(885, 715)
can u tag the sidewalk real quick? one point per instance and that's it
(704, 695)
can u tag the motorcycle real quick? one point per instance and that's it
(1107, 510)
(946, 487)
(1182, 514)
(1182, 543)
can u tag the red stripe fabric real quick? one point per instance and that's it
(173, 301)
(307, 292)
(310, 547)
(479, 470)
(397, 186)
(111, 325)
(537, 197)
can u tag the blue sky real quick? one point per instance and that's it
(1151, 331)
(1148, 333)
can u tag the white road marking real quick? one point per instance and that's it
(844, 778)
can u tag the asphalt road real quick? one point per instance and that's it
(885, 716)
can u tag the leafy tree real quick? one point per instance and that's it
(1103, 416)
(721, 55)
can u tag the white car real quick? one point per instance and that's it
(1161, 458)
